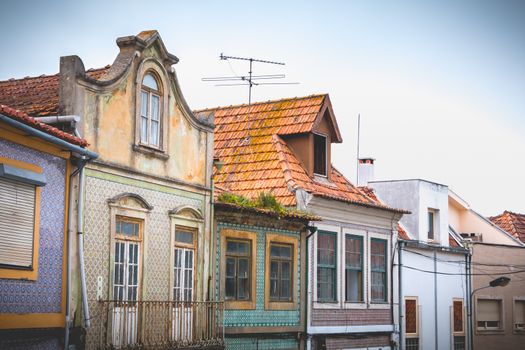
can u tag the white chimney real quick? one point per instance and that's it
(365, 171)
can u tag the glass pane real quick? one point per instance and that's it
(230, 267)
(286, 252)
(230, 288)
(244, 248)
(354, 286)
(244, 293)
(274, 267)
(274, 294)
(285, 270)
(154, 133)
(150, 82)
(184, 237)
(144, 104)
(143, 129)
(127, 228)
(155, 107)
(326, 249)
(274, 250)
(285, 290)
(411, 316)
(378, 286)
(458, 316)
(325, 284)
(231, 247)
(243, 268)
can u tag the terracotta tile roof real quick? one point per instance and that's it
(24, 118)
(513, 223)
(452, 242)
(37, 96)
(256, 159)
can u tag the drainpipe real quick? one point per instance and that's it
(469, 299)
(312, 230)
(436, 342)
(400, 292)
(80, 235)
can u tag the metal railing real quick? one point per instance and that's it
(157, 325)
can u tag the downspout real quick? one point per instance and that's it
(436, 341)
(68, 260)
(80, 235)
(400, 292)
(308, 289)
(469, 298)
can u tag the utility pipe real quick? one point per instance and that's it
(46, 137)
(400, 292)
(55, 119)
(436, 341)
(80, 235)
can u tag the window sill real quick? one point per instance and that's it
(154, 152)
(490, 331)
(281, 305)
(239, 305)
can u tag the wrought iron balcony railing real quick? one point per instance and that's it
(157, 325)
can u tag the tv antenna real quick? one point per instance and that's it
(249, 80)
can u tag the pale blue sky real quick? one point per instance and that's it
(440, 85)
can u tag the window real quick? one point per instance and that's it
(320, 158)
(127, 259)
(458, 324)
(150, 111)
(412, 323)
(378, 250)
(183, 264)
(519, 315)
(354, 268)
(433, 216)
(488, 314)
(281, 272)
(238, 256)
(326, 266)
(20, 185)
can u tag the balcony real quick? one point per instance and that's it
(156, 325)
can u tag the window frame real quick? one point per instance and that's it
(363, 277)
(153, 67)
(269, 304)
(334, 267)
(371, 269)
(416, 334)
(325, 154)
(514, 308)
(462, 332)
(150, 92)
(20, 272)
(435, 225)
(226, 234)
(486, 330)
(186, 246)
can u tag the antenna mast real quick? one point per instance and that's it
(358, 132)
(250, 79)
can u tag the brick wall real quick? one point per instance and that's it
(333, 343)
(323, 317)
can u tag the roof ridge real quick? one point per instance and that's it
(51, 75)
(278, 143)
(260, 102)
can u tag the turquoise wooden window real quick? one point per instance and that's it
(378, 249)
(326, 266)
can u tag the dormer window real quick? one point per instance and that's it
(150, 111)
(320, 155)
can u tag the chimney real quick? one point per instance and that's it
(365, 171)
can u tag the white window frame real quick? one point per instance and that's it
(520, 299)
(501, 301)
(337, 303)
(386, 304)
(363, 235)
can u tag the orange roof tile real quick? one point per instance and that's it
(256, 159)
(37, 96)
(24, 118)
(513, 223)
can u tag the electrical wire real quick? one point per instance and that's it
(459, 274)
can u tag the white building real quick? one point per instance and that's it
(433, 284)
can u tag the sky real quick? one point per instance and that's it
(439, 85)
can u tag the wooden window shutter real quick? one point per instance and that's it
(458, 316)
(17, 220)
(411, 316)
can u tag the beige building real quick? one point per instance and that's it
(498, 313)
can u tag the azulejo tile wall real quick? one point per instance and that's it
(259, 317)
(45, 294)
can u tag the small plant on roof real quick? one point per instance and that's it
(268, 201)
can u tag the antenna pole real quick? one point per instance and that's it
(358, 134)
(251, 84)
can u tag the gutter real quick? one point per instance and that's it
(49, 138)
(55, 119)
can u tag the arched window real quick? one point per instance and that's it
(150, 111)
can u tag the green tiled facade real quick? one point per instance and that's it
(260, 317)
